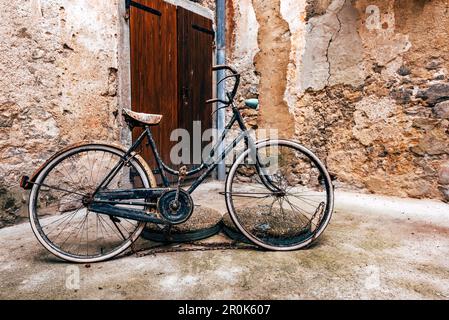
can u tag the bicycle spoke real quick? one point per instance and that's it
(286, 220)
(61, 202)
(120, 231)
(71, 232)
(60, 189)
(298, 209)
(251, 195)
(309, 202)
(64, 219)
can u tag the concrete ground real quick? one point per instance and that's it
(366, 253)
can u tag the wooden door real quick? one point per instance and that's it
(195, 49)
(154, 67)
(171, 70)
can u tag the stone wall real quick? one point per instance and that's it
(362, 83)
(64, 75)
(58, 74)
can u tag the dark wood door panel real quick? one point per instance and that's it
(195, 38)
(153, 39)
(171, 70)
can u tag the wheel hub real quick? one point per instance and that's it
(87, 200)
(174, 205)
(175, 211)
(280, 194)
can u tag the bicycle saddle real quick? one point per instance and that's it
(141, 119)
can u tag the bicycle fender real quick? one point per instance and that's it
(27, 183)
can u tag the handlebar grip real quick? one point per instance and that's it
(224, 67)
(217, 100)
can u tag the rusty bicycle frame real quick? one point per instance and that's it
(104, 201)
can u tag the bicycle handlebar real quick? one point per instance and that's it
(216, 100)
(224, 67)
(236, 75)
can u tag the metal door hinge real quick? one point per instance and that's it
(205, 30)
(131, 3)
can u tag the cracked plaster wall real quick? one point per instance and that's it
(359, 82)
(365, 86)
(58, 84)
(64, 76)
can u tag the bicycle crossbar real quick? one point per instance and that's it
(131, 194)
(120, 212)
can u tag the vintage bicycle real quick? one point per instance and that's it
(91, 201)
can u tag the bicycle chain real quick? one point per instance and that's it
(198, 246)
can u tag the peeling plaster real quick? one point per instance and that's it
(333, 49)
(246, 46)
(294, 12)
(272, 65)
(342, 58)
(56, 58)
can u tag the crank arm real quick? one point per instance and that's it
(130, 214)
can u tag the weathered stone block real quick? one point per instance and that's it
(445, 191)
(8, 114)
(435, 93)
(434, 143)
(434, 64)
(425, 123)
(443, 174)
(401, 95)
(441, 110)
(420, 189)
(10, 205)
(55, 60)
(404, 71)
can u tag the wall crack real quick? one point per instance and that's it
(331, 40)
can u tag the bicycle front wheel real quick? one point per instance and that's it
(279, 195)
(58, 209)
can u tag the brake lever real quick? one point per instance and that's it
(228, 77)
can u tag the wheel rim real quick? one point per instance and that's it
(59, 216)
(287, 219)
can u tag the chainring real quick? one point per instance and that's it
(183, 211)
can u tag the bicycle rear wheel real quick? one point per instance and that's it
(281, 199)
(58, 204)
